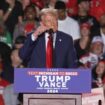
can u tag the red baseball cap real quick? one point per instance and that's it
(38, 3)
(86, 25)
(102, 61)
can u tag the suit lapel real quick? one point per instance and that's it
(58, 41)
(41, 52)
(58, 48)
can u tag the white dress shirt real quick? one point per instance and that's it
(46, 39)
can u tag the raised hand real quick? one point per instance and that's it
(11, 3)
(42, 28)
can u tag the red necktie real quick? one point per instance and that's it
(49, 52)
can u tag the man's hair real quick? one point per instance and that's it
(20, 39)
(60, 5)
(80, 1)
(30, 6)
(48, 11)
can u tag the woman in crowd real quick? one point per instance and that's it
(82, 44)
(11, 12)
(28, 24)
(98, 74)
(10, 97)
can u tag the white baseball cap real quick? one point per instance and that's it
(97, 39)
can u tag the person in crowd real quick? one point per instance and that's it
(98, 74)
(5, 35)
(3, 82)
(15, 62)
(95, 54)
(39, 4)
(25, 3)
(29, 23)
(72, 7)
(11, 12)
(82, 45)
(97, 7)
(83, 16)
(101, 30)
(65, 23)
(102, 27)
(10, 97)
(51, 3)
(43, 47)
(19, 42)
(5, 51)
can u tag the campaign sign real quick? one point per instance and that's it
(96, 97)
(38, 80)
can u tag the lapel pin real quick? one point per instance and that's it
(60, 40)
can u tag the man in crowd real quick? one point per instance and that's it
(84, 17)
(95, 54)
(101, 30)
(65, 23)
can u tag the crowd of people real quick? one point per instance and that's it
(79, 39)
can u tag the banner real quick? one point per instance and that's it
(33, 80)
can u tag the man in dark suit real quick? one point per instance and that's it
(35, 48)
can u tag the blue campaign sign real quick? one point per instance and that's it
(38, 80)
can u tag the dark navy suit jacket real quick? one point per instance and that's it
(64, 53)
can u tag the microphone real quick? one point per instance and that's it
(99, 102)
(50, 31)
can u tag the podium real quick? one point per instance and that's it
(52, 99)
(52, 86)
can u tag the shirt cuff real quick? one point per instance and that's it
(33, 37)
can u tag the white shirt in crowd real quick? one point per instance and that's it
(64, 0)
(90, 58)
(103, 38)
(10, 97)
(69, 26)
